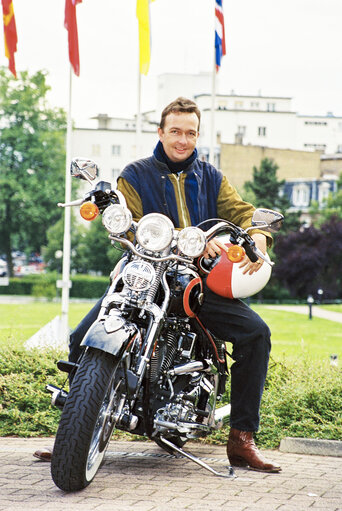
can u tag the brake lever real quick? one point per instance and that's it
(76, 202)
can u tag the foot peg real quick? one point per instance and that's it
(58, 397)
(66, 366)
(193, 458)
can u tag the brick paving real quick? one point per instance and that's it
(141, 476)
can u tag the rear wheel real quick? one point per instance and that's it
(87, 421)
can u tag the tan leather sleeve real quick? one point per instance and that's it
(230, 206)
(133, 200)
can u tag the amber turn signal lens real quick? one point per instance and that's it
(89, 211)
(235, 253)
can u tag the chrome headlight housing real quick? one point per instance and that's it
(191, 241)
(117, 219)
(139, 275)
(154, 232)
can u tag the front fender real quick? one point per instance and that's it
(114, 342)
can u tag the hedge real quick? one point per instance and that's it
(83, 286)
(301, 399)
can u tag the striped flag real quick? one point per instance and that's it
(70, 23)
(143, 15)
(10, 33)
(220, 40)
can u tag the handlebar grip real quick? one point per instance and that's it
(250, 253)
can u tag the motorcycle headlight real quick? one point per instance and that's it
(191, 241)
(154, 232)
(117, 219)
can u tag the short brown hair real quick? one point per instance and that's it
(182, 105)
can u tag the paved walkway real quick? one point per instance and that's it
(140, 476)
(304, 309)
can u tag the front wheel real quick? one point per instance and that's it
(87, 421)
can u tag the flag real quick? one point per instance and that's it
(143, 15)
(70, 23)
(220, 40)
(10, 33)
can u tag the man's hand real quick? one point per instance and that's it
(214, 248)
(261, 244)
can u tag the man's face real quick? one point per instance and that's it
(179, 135)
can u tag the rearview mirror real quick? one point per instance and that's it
(267, 220)
(83, 168)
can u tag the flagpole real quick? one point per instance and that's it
(138, 121)
(64, 330)
(212, 115)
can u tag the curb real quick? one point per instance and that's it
(311, 446)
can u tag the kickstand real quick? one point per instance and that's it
(197, 460)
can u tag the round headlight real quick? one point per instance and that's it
(191, 241)
(154, 232)
(117, 219)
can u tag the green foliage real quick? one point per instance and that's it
(54, 236)
(266, 190)
(32, 162)
(303, 400)
(24, 404)
(300, 400)
(91, 250)
(86, 286)
(332, 207)
(83, 286)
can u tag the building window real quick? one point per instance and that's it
(242, 130)
(96, 150)
(323, 192)
(262, 131)
(271, 107)
(255, 105)
(316, 123)
(316, 147)
(116, 150)
(301, 195)
(339, 148)
(115, 174)
(238, 104)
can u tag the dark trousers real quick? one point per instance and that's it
(232, 321)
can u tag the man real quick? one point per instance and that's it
(176, 183)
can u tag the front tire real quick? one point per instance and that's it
(87, 421)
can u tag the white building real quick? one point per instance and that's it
(265, 121)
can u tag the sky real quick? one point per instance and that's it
(290, 48)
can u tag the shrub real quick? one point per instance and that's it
(300, 400)
(83, 286)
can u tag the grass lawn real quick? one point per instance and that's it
(336, 307)
(293, 335)
(19, 322)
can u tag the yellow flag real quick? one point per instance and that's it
(143, 15)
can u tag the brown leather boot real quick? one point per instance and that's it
(242, 452)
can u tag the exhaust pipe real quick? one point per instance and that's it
(221, 416)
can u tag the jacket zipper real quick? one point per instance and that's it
(181, 201)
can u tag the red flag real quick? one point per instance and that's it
(70, 24)
(10, 33)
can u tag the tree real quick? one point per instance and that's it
(91, 250)
(310, 260)
(32, 162)
(267, 192)
(332, 207)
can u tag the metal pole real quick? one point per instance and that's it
(64, 330)
(212, 115)
(138, 126)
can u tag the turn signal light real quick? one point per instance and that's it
(235, 253)
(89, 211)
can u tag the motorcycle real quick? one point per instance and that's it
(148, 366)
